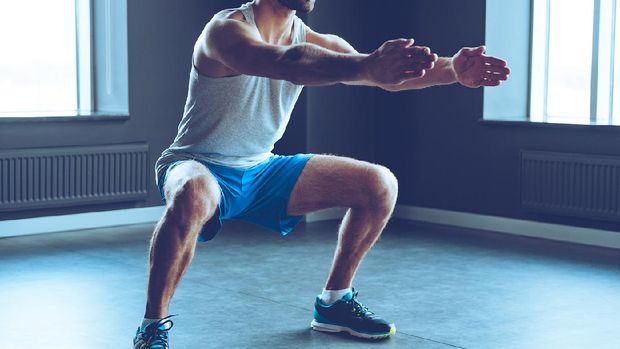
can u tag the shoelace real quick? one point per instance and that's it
(358, 308)
(157, 332)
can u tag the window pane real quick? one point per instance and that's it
(38, 60)
(570, 60)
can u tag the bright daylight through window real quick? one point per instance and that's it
(39, 64)
(575, 76)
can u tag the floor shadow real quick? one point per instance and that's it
(308, 338)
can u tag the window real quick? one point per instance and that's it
(38, 70)
(573, 62)
(63, 57)
(565, 56)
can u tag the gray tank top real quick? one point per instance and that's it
(233, 121)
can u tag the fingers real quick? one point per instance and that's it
(412, 75)
(490, 82)
(419, 57)
(411, 66)
(400, 60)
(495, 61)
(495, 73)
(408, 42)
(399, 43)
(493, 76)
(474, 51)
(497, 69)
(418, 52)
(474, 68)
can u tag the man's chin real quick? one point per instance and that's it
(304, 6)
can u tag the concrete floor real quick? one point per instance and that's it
(249, 288)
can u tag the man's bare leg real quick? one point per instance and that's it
(368, 190)
(192, 196)
(358, 232)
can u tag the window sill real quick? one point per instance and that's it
(49, 117)
(523, 122)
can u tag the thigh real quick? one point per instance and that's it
(333, 181)
(194, 173)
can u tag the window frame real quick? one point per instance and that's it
(84, 54)
(534, 83)
(102, 68)
(600, 93)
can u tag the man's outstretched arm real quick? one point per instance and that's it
(238, 46)
(469, 67)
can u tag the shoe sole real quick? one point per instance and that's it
(318, 326)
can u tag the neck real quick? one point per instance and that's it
(273, 19)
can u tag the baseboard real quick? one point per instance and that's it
(326, 215)
(89, 220)
(557, 232)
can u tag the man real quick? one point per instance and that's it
(249, 66)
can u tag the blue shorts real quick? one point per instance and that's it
(258, 194)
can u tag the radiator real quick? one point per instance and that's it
(69, 176)
(571, 184)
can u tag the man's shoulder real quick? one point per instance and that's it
(225, 21)
(234, 14)
(218, 31)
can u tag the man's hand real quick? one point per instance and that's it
(474, 69)
(397, 61)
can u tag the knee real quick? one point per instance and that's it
(382, 188)
(194, 202)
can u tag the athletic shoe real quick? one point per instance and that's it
(349, 315)
(154, 336)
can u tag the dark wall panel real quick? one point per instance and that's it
(341, 119)
(442, 154)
